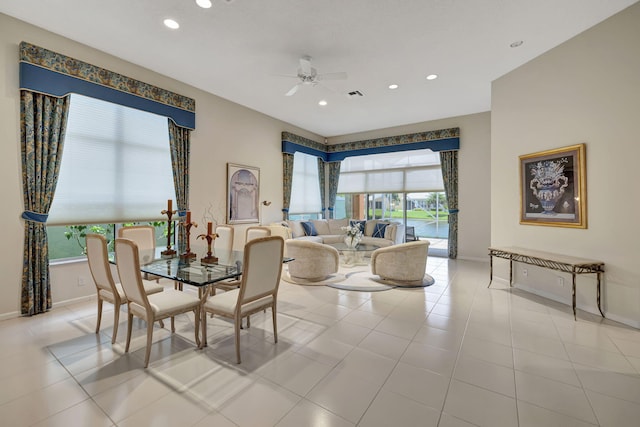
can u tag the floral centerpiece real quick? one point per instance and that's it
(353, 235)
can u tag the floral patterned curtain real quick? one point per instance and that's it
(180, 141)
(449, 164)
(321, 180)
(334, 177)
(43, 122)
(287, 179)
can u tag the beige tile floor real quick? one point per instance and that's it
(451, 355)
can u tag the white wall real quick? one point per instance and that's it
(226, 132)
(585, 90)
(474, 164)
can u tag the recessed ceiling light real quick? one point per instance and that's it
(322, 103)
(170, 23)
(205, 4)
(393, 86)
(432, 76)
(516, 44)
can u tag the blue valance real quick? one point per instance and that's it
(51, 73)
(438, 140)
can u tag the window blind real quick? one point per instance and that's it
(417, 170)
(116, 165)
(305, 185)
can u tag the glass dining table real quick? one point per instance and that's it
(192, 271)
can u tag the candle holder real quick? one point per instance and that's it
(187, 224)
(209, 237)
(169, 213)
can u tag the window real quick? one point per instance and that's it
(404, 186)
(116, 165)
(115, 169)
(305, 188)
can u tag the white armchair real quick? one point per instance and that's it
(312, 261)
(404, 264)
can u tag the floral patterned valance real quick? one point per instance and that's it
(436, 140)
(49, 72)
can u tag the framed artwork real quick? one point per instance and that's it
(553, 187)
(243, 193)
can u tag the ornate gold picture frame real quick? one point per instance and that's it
(553, 187)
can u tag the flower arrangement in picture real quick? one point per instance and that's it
(353, 235)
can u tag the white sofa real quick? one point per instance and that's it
(330, 231)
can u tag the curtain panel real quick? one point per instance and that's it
(287, 180)
(180, 141)
(321, 181)
(43, 121)
(449, 164)
(334, 178)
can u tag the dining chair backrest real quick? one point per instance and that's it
(97, 257)
(256, 232)
(262, 268)
(145, 238)
(224, 241)
(129, 271)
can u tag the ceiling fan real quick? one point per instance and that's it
(309, 75)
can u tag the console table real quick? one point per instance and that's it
(564, 263)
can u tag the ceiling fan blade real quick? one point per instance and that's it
(305, 64)
(332, 76)
(293, 90)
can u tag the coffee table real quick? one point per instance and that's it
(354, 256)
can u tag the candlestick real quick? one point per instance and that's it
(169, 213)
(209, 237)
(187, 224)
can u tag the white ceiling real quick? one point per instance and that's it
(238, 49)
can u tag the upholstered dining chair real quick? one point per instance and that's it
(150, 307)
(224, 244)
(145, 238)
(258, 288)
(224, 241)
(107, 289)
(256, 232)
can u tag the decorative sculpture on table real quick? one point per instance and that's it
(209, 237)
(187, 224)
(169, 213)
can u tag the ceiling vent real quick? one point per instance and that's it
(355, 94)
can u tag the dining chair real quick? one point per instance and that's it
(150, 307)
(107, 289)
(224, 241)
(223, 244)
(256, 232)
(145, 238)
(258, 288)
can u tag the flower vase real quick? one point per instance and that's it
(351, 241)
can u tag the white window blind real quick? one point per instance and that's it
(305, 185)
(417, 170)
(116, 165)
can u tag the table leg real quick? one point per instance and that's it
(599, 306)
(490, 270)
(573, 297)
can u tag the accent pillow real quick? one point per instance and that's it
(378, 230)
(309, 228)
(361, 224)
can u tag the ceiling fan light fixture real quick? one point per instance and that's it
(432, 76)
(205, 4)
(170, 23)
